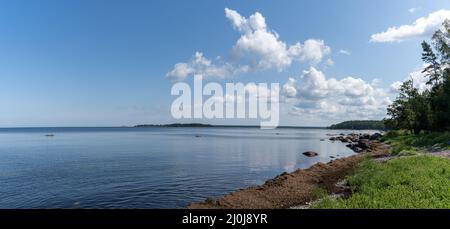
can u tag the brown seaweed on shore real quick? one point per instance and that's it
(293, 189)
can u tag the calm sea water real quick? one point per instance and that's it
(147, 167)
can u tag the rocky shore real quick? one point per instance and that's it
(297, 188)
(357, 142)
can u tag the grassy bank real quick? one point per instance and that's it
(405, 182)
(405, 144)
(415, 180)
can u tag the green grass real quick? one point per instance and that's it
(400, 141)
(319, 193)
(406, 182)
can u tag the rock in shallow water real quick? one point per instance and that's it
(310, 154)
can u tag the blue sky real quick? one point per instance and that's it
(106, 63)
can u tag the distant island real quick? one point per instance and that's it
(175, 125)
(359, 125)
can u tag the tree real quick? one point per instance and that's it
(440, 104)
(433, 70)
(427, 110)
(410, 110)
(440, 93)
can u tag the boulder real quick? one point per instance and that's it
(310, 154)
(363, 143)
(357, 149)
(365, 136)
(375, 136)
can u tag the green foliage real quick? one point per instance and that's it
(405, 182)
(360, 125)
(399, 141)
(429, 110)
(392, 133)
(319, 193)
(405, 153)
(411, 109)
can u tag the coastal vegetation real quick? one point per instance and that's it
(360, 125)
(403, 142)
(426, 110)
(406, 182)
(407, 167)
(416, 174)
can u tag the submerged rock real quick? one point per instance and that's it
(310, 154)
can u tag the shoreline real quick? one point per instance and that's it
(290, 190)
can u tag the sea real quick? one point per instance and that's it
(154, 167)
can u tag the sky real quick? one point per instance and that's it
(113, 63)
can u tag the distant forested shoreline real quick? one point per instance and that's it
(359, 125)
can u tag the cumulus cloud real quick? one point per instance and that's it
(423, 26)
(264, 49)
(319, 96)
(258, 48)
(313, 50)
(289, 88)
(200, 65)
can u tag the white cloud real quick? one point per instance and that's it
(258, 48)
(344, 52)
(319, 96)
(199, 65)
(375, 82)
(423, 26)
(314, 85)
(419, 81)
(329, 62)
(395, 87)
(180, 71)
(289, 88)
(263, 48)
(314, 50)
(414, 9)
